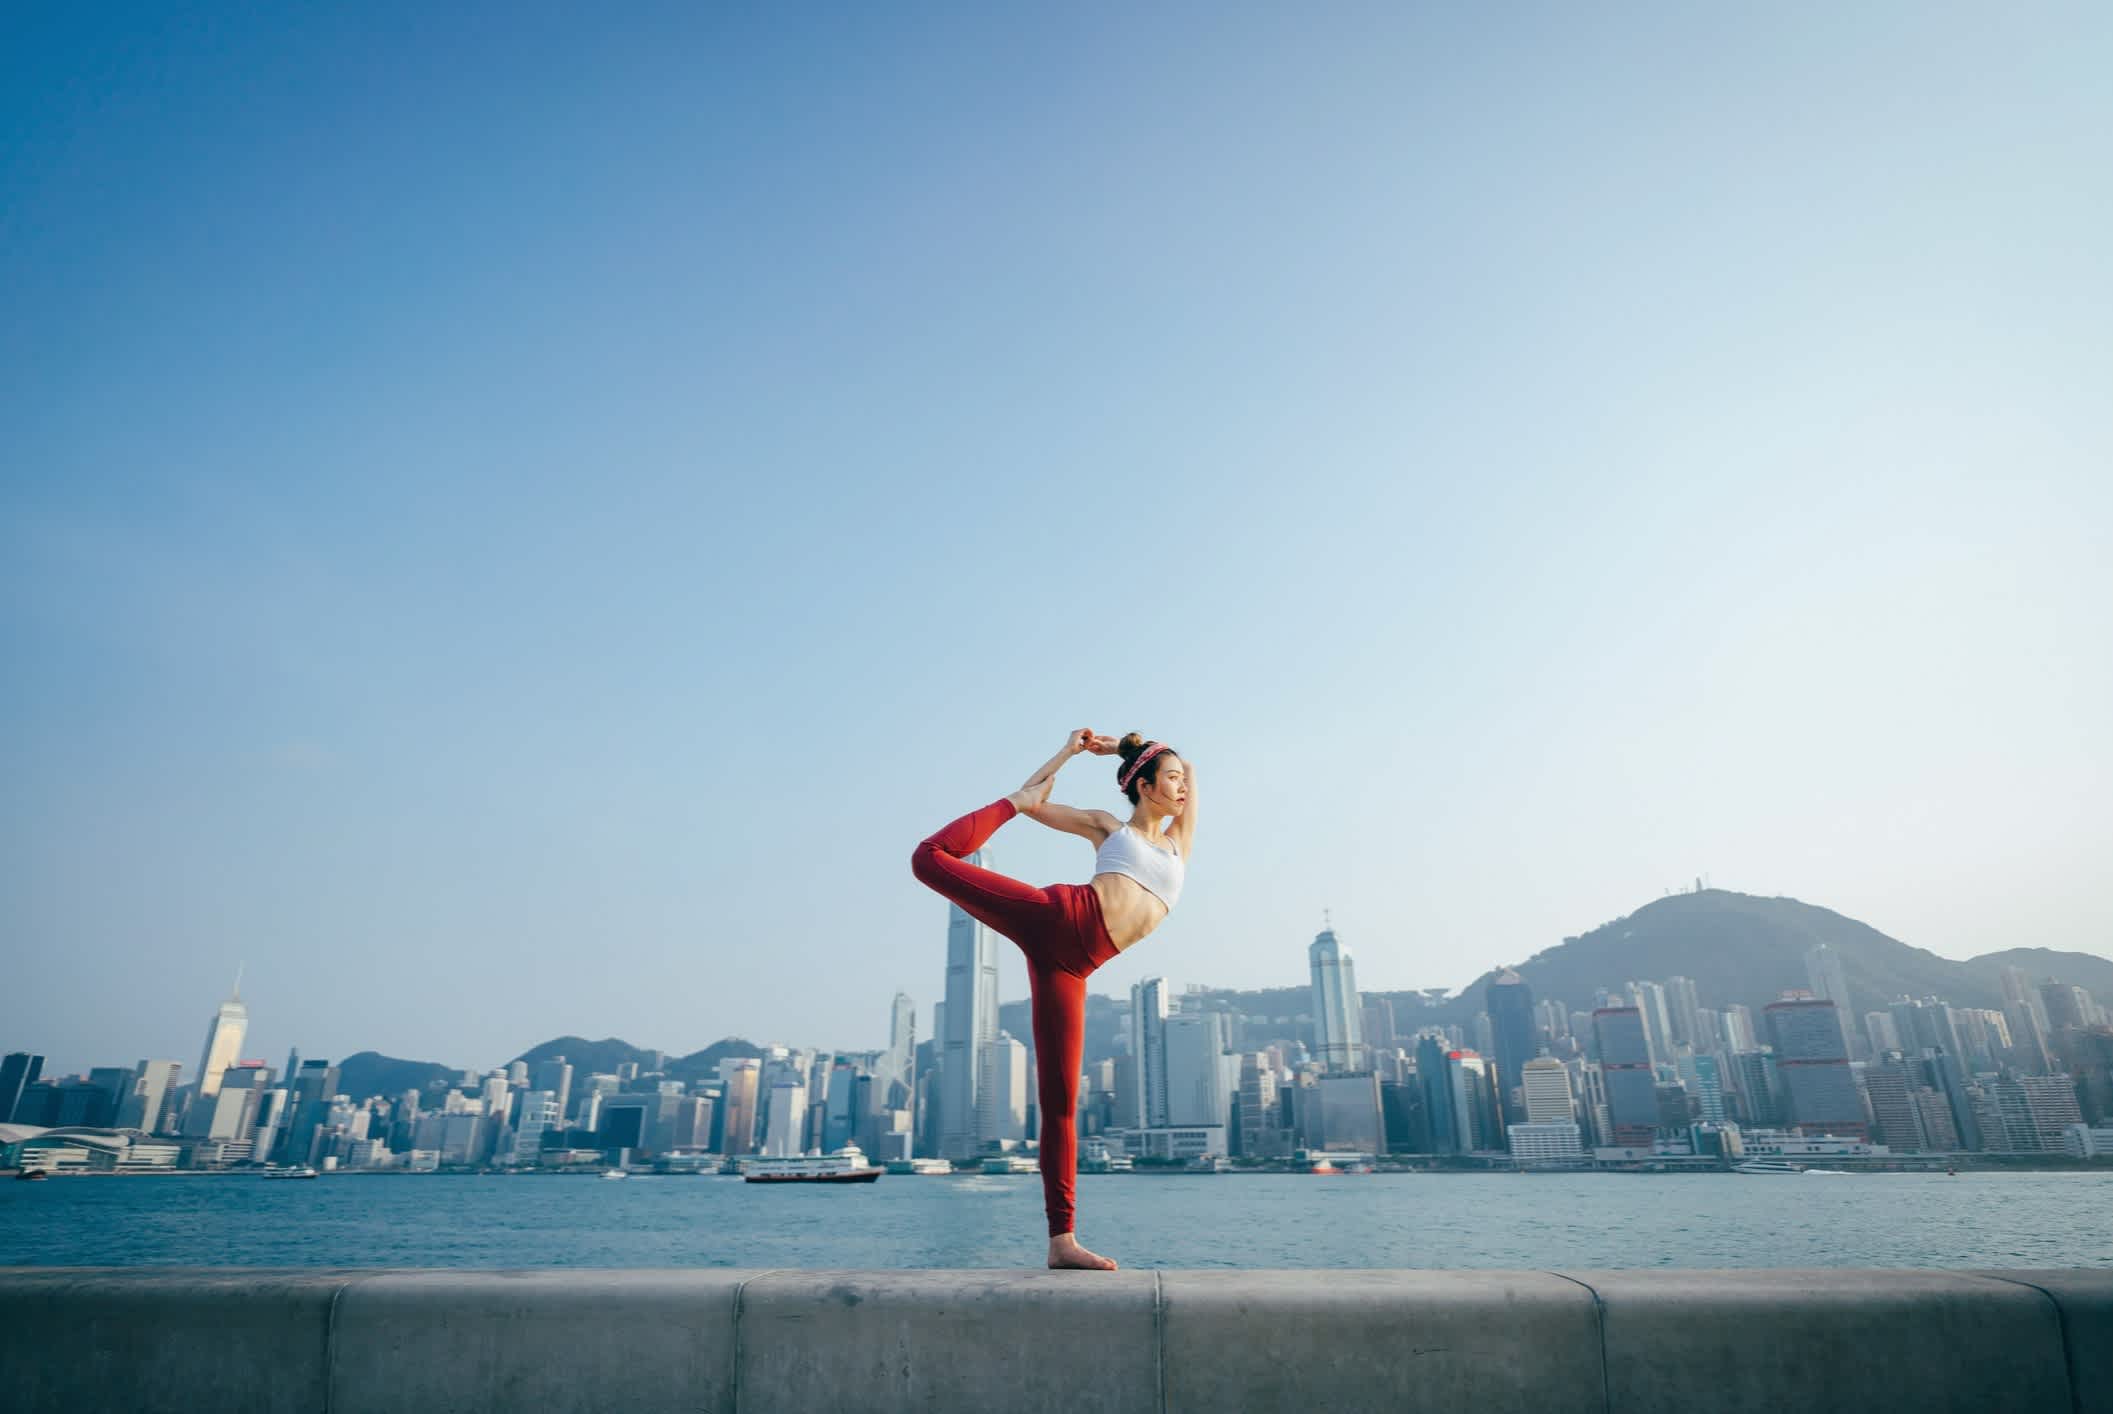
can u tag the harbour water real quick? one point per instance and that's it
(2051, 1219)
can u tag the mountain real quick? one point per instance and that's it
(1744, 948)
(367, 1073)
(604, 1056)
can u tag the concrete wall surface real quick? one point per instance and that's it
(338, 1340)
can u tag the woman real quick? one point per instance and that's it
(1068, 930)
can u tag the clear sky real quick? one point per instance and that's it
(514, 520)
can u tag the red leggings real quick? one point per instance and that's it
(1060, 930)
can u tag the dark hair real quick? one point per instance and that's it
(1130, 748)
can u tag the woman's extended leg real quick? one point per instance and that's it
(1020, 911)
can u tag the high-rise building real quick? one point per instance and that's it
(2018, 988)
(741, 1098)
(1705, 1083)
(1338, 1021)
(2029, 1051)
(1004, 1091)
(2050, 1104)
(1510, 1004)
(538, 1112)
(1881, 1033)
(1150, 1007)
(1260, 1131)
(1739, 1033)
(786, 1127)
(1682, 1007)
(1434, 1076)
(1812, 1065)
(971, 1027)
(1823, 971)
(308, 1108)
(2066, 1005)
(1624, 1045)
(1544, 1083)
(554, 1078)
(148, 1096)
(223, 1040)
(1198, 1075)
(1648, 998)
(1476, 1125)
(18, 1072)
(1344, 1113)
(898, 1062)
(1893, 1108)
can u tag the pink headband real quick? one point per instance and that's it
(1122, 782)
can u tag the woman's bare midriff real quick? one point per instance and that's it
(1129, 910)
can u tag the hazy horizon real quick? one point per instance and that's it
(514, 525)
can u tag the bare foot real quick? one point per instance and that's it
(1064, 1251)
(1034, 793)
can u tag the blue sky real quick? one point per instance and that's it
(515, 522)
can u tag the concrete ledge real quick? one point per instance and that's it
(1827, 1339)
(313, 1339)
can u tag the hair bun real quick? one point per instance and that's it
(1129, 746)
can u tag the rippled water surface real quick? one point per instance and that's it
(1382, 1220)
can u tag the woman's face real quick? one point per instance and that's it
(1169, 792)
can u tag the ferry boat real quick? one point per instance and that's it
(845, 1165)
(920, 1166)
(291, 1171)
(1010, 1163)
(614, 1173)
(1768, 1166)
(1096, 1158)
(1210, 1163)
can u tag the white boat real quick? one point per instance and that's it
(1767, 1166)
(920, 1166)
(292, 1171)
(1010, 1163)
(615, 1173)
(845, 1165)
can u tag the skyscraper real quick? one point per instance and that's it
(1434, 1076)
(1510, 1004)
(1199, 1084)
(1682, 1005)
(1004, 1091)
(1150, 1006)
(1544, 1084)
(1812, 1063)
(741, 1096)
(1338, 1020)
(223, 1041)
(18, 1072)
(1823, 971)
(1624, 1046)
(1648, 999)
(971, 1028)
(149, 1095)
(897, 1066)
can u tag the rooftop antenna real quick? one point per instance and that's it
(238, 982)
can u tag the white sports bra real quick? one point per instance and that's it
(1129, 852)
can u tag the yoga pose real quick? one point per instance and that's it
(1068, 930)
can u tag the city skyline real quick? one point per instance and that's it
(478, 504)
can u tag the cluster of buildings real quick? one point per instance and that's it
(1651, 1073)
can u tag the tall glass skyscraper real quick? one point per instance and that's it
(1510, 1004)
(1338, 1022)
(1812, 1063)
(1624, 1046)
(223, 1041)
(971, 1028)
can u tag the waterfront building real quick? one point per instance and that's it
(1546, 1143)
(1004, 1090)
(1940, 1131)
(1509, 1002)
(1544, 1085)
(741, 1097)
(786, 1117)
(1812, 1065)
(147, 1099)
(1345, 1113)
(18, 1071)
(554, 1078)
(2084, 1141)
(1705, 1083)
(1477, 1122)
(1893, 1109)
(1434, 1078)
(1199, 1073)
(1622, 1038)
(1338, 1020)
(538, 1113)
(898, 1063)
(2050, 1106)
